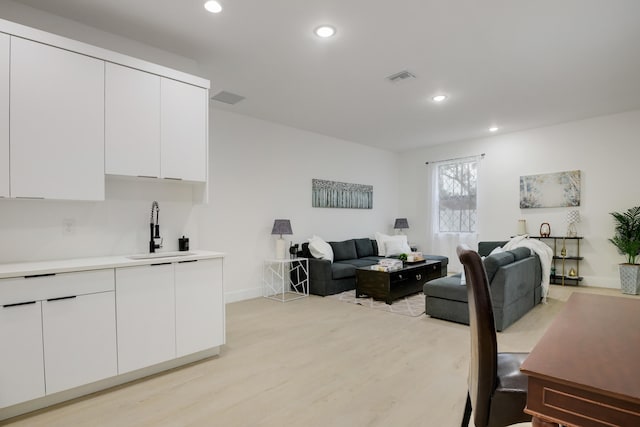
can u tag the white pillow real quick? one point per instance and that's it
(381, 240)
(395, 246)
(496, 250)
(463, 278)
(320, 249)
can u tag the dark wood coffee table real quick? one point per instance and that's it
(392, 285)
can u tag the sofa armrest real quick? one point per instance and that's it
(319, 269)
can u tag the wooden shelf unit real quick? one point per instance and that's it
(560, 273)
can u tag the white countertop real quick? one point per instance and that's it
(96, 263)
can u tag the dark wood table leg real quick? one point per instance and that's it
(539, 422)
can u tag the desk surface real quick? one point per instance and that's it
(593, 347)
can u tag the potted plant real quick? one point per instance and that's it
(627, 240)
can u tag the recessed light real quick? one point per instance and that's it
(493, 129)
(213, 6)
(324, 31)
(439, 98)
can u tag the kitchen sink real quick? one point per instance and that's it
(160, 255)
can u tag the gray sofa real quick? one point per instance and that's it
(514, 278)
(328, 278)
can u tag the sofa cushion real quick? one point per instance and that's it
(373, 258)
(364, 247)
(344, 250)
(340, 270)
(359, 262)
(447, 288)
(520, 253)
(485, 248)
(495, 261)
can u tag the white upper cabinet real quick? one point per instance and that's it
(132, 122)
(4, 115)
(56, 122)
(183, 136)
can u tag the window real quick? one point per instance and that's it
(456, 196)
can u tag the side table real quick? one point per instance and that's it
(285, 279)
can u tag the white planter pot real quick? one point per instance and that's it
(630, 278)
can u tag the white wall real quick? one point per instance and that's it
(35, 18)
(605, 149)
(33, 230)
(261, 171)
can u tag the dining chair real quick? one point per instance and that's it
(497, 389)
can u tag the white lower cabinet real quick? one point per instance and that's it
(65, 330)
(57, 332)
(79, 340)
(145, 301)
(199, 313)
(21, 357)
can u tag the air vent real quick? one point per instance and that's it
(227, 97)
(402, 75)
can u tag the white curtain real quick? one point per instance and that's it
(445, 243)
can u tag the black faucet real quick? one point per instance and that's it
(155, 241)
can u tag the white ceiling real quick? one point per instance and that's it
(514, 63)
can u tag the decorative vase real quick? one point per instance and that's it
(630, 278)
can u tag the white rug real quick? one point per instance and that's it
(413, 305)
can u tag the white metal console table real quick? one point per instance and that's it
(285, 279)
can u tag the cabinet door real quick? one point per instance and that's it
(184, 110)
(4, 115)
(79, 335)
(132, 122)
(57, 123)
(21, 357)
(145, 315)
(199, 306)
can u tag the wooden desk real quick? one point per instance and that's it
(585, 371)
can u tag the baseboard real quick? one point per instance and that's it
(243, 294)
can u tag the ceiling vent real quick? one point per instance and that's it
(227, 97)
(402, 75)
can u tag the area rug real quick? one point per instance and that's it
(413, 305)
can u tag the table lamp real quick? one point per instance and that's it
(573, 218)
(401, 224)
(281, 226)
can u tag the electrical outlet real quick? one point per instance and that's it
(68, 226)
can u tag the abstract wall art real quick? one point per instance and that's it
(333, 194)
(560, 189)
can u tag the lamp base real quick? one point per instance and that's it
(281, 249)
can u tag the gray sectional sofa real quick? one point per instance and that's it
(514, 278)
(328, 278)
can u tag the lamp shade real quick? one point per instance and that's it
(281, 226)
(573, 216)
(401, 223)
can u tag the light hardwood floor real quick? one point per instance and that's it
(311, 362)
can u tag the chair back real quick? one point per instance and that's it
(483, 365)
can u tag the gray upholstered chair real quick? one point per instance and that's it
(497, 389)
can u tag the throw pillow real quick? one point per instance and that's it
(395, 246)
(381, 240)
(497, 250)
(320, 249)
(364, 247)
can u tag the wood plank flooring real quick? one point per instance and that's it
(311, 362)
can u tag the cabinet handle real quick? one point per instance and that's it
(33, 276)
(189, 260)
(160, 263)
(418, 276)
(147, 176)
(61, 298)
(18, 304)
(175, 179)
(30, 197)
